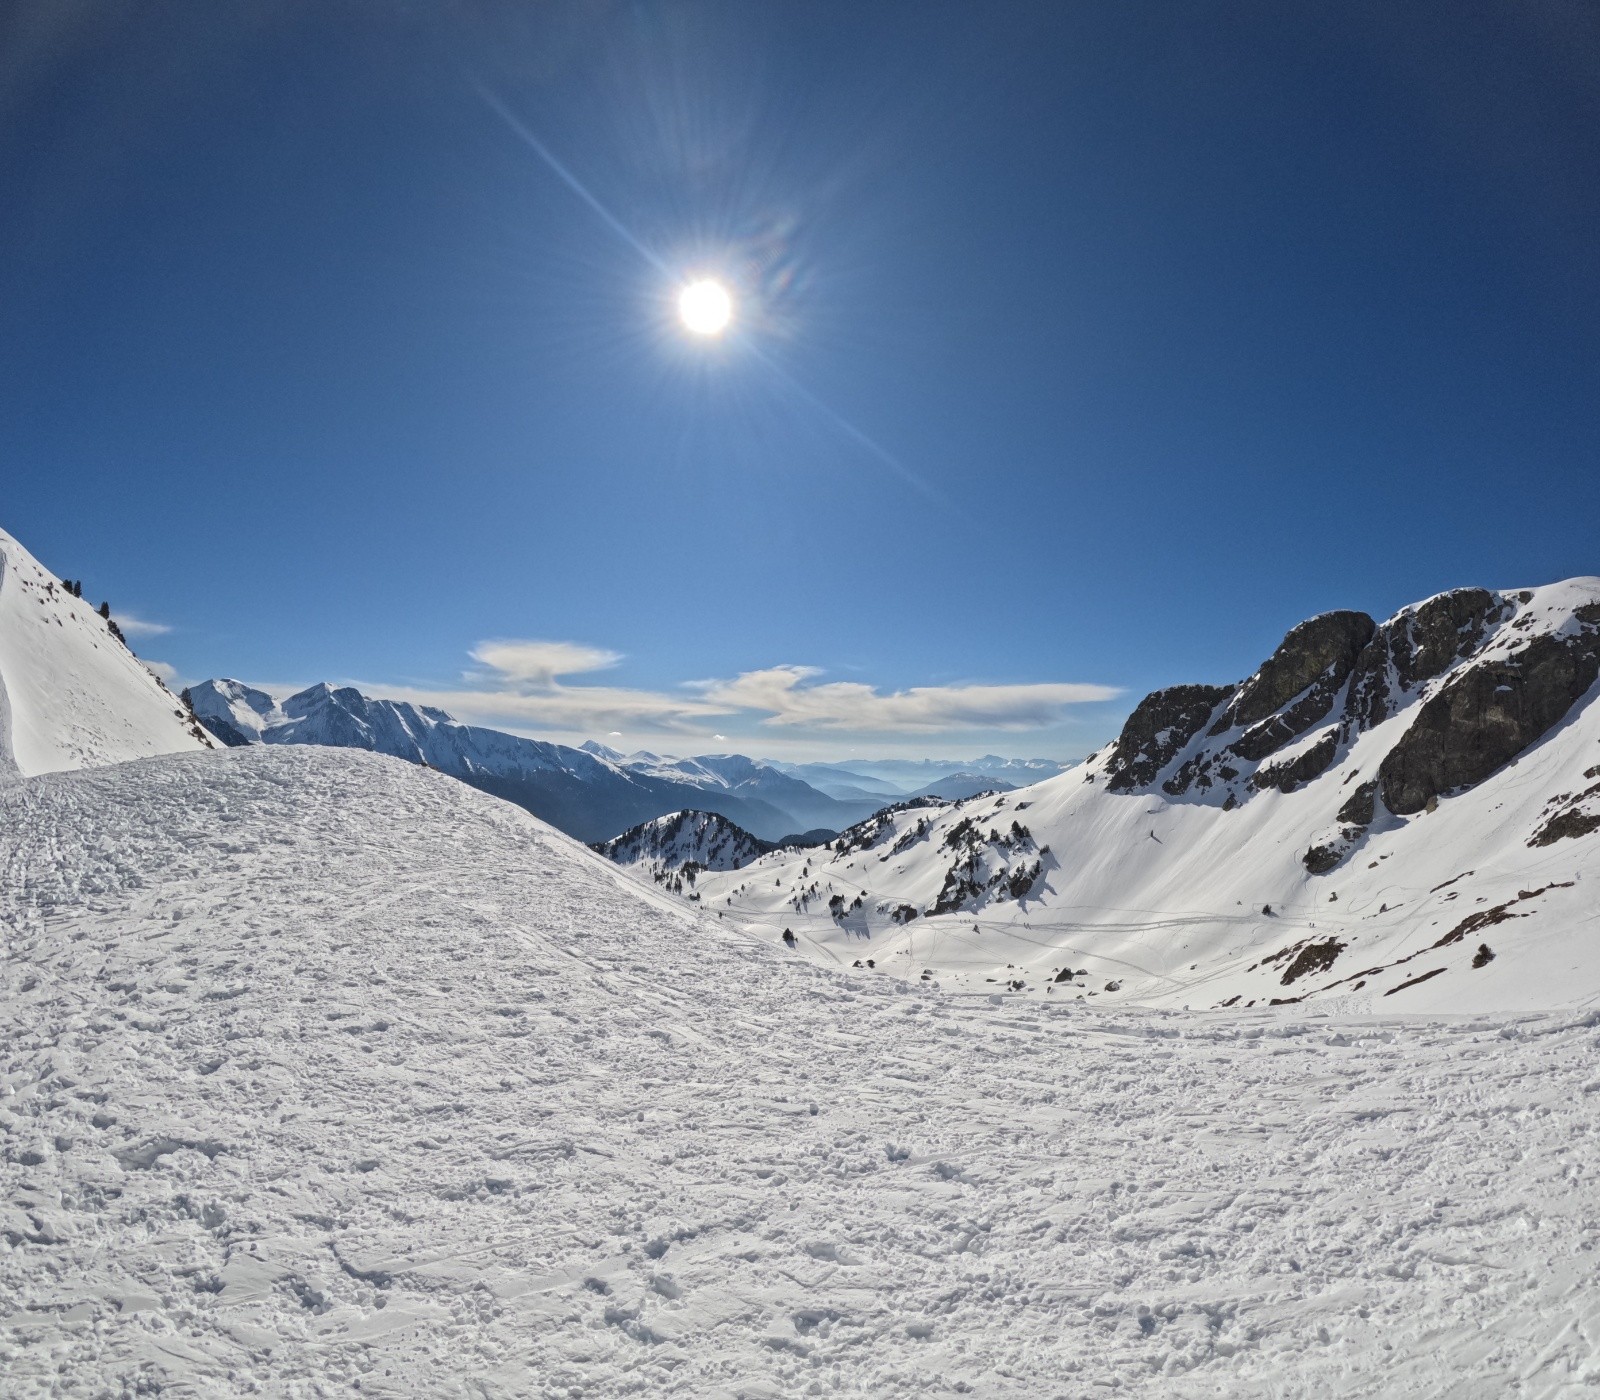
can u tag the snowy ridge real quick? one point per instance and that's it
(72, 695)
(1384, 816)
(902, 777)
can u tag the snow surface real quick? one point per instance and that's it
(324, 1073)
(71, 694)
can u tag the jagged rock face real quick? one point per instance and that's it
(1362, 804)
(1488, 714)
(1461, 684)
(1415, 646)
(1295, 689)
(1160, 728)
(1320, 652)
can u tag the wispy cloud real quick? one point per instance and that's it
(783, 695)
(139, 627)
(519, 684)
(579, 709)
(539, 664)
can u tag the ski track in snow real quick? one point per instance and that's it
(322, 1074)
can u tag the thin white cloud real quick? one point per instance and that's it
(782, 694)
(581, 709)
(167, 675)
(540, 664)
(519, 686)
(139, 627)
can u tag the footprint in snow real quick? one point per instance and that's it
(831, 1253)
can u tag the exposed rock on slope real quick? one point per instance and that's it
(1161, 727)
(1417, 644)
(1487, 714)
(1309, 666)
(1483, 676)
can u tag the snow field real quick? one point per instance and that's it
(322, 1074)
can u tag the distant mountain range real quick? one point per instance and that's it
(901, 777)
(591, 792)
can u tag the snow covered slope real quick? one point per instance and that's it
(590, 792)
(324, 1074)
(1403, 815)
(72, 695)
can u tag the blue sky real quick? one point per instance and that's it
(1080, 349)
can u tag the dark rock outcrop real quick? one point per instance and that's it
(1565, 826)
(1294, 690)
(1487, 715)
(1361, 806)
(1160, 728)
(1313, 958)
(1297, 772)
(1321, 652)
(1319, 860)
(1472, 676)
(1415, 646)
(1569, 820)
(1322, 858)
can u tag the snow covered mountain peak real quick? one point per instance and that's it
(235, 712)
(72, 694)
(678, 846)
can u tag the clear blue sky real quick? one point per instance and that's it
(1078, 345)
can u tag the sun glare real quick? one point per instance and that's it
(705, 308)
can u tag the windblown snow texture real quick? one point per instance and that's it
(321, 1070)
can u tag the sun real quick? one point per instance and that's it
(705, 308)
